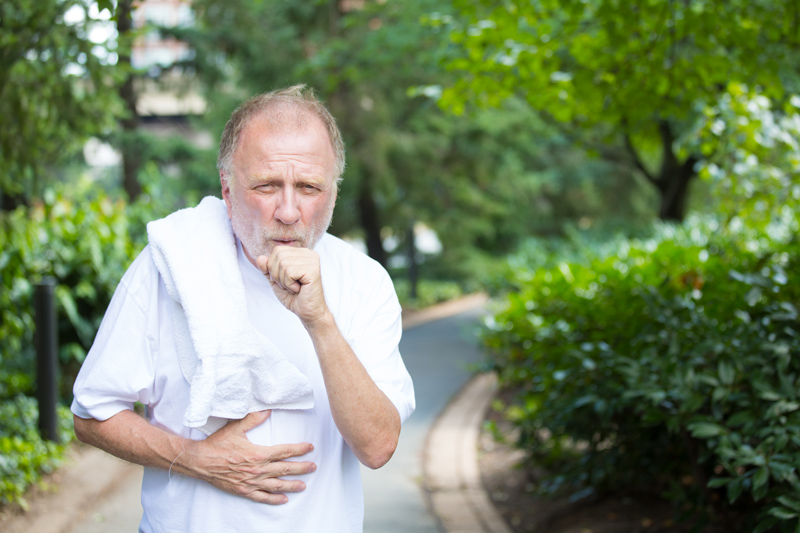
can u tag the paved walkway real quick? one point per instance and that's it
(437, 355)
(445, 496)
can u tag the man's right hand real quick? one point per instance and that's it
(229, 461)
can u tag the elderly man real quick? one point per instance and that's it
(326, 311)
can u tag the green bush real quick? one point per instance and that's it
(24, 455)
(429, 292)
(670, 365)
(85, 245)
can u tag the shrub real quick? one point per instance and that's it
(24, 455)
(429, 292)
(671, 365)
(86, 246)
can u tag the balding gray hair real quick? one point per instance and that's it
(283, 109)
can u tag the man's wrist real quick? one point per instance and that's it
(322, 326)
(187, 458)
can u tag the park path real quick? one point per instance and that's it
(438, 354)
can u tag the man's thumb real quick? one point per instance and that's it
(261, 262)
(254, 419)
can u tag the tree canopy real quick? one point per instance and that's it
(482, 181)
(629, 77)
(54, 90)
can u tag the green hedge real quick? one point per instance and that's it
(24, 455)
(670, 365)
(85, 245)
(429, 292)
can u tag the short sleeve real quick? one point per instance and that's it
(375, 337)
(119, 369)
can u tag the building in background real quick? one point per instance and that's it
(165, 98)
(152, 49)
(172, 95)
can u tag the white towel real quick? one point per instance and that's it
(232, 368)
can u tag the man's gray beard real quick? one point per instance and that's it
(257, 240)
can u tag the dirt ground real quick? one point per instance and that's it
(510, 488)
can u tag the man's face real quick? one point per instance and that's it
(283, 189)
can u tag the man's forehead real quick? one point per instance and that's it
(268, 133)
(289, 124)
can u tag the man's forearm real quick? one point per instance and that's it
(226, 459)
(364, 415)
(130, 437)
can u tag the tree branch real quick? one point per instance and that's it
(636, 160)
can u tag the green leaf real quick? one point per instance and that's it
(765, 524)
(705, 430)
(726, 373)
(761, 477)
(770, 396)
(753, 296)
(734, 490)
(780, 471)
(782, 513)
(105, 4)
(741, 418)
(790, 502)
(719, 482)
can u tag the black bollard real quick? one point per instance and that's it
(46, 358)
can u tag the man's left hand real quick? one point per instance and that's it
(294, 274)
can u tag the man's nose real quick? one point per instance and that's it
(288, 208)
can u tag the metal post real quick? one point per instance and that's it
(46, 358)
(413, 267)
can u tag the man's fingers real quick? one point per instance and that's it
(292, 280)
(271, 490)
(292, 468)
(280, 452)
(283, 485)
(288, 267)
(277, 275)
(268, 498)
(293, 288)
(283, 274)
(273, 494)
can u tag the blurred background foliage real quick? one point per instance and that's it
(623, 177)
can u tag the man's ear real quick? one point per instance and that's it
(226, 190)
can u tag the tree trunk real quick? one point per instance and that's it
(370, 221)
(674, 195)
(10, 201)
(673, 179)
(131, 158)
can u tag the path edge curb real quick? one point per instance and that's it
(453, 489)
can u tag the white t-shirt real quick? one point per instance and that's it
(133, 359)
